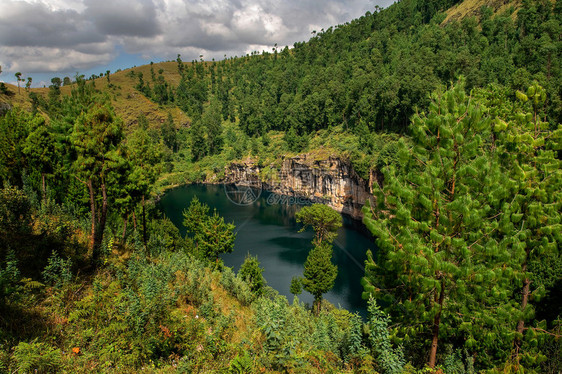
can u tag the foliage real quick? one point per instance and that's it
(324, 220)
(251, 272)
(319, 273)
(460, 271)
(433, 220)
(37, 357)
(9, 278)
(296, 286)
(57, 273)
(211, 234)
(389, 360)
(15, 212)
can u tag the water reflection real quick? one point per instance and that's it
(271, 232)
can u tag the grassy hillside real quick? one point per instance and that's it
(128, 102)
(473, 8)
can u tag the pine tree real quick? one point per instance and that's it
(211, 234)
(439, 269)
(319, 272)
(215, 237)
(251, 272)
(39, 147)
(324, 220)
(212, 124)
(143, 155)
(96, 137)
(198, 142)
(532, 220)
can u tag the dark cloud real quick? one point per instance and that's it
(123, 17)
(23, 24)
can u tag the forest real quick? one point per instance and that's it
(460, 120)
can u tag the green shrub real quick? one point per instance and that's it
(37, 357)
(58, 272)
(251, 273)
(390, 360)
(9, 277)
(236, 286)
(15, 211)
(241, 364)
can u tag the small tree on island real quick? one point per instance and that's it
(324, 220)
(319, 271)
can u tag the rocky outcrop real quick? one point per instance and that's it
(331, 181)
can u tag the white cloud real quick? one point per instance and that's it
(67, 35)
(39, 59)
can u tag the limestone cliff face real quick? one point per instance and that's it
(331, 181)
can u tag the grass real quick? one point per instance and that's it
(127, 101)
(471, 8)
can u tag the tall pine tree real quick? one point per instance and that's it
(441, 272)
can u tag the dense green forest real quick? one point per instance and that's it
(461, 122)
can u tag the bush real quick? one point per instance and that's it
(37, 357)
(9, 278)
(57, 273)
(15, 211)
(251, 273)
(236, 286)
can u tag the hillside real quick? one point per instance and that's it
(473, 8)
(446, 114)
(127, 101)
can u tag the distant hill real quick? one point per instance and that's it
(369, 74)
(128, 102)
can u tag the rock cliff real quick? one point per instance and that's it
(331, 181)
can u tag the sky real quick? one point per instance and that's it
(57, 38)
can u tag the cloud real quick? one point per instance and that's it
(54, 35)
(48, 59)
(25, 24)
(123, 17)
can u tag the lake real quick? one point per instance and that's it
(266, 228)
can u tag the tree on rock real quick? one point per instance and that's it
(319, 271)
(324, 220)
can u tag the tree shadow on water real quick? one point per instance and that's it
(295, 249)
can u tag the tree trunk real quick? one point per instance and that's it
(125, 227)
(143, 223)
(134, 221)
(317, 304)
(93, 213)
(43, 186)
(526, 291)
(436, 323)
(98, 237)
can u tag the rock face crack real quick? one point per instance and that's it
(331, 181)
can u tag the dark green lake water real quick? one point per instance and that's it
(267, 228)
